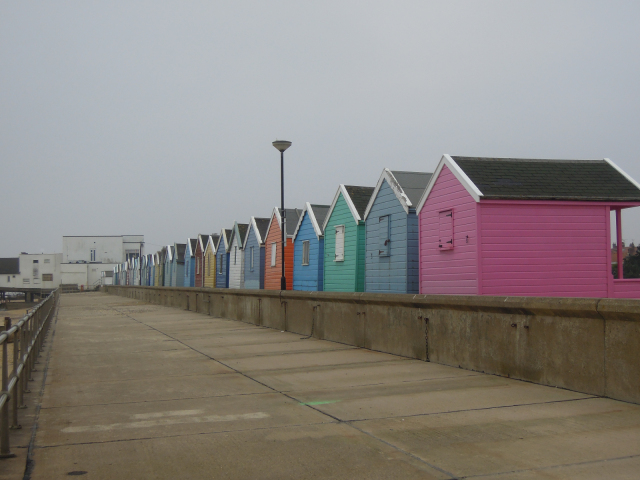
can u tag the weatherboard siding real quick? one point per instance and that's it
(452, 271)
(392, 273)
(553, 250)
(253, 277)
(347, 275)
(272, 275)
(308, 277)
(209, 268)
(221, 264)
(236, 257)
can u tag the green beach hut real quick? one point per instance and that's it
(344, 240)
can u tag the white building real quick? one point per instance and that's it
(31, 270)
(85, 258)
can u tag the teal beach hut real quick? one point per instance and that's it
(344, 240)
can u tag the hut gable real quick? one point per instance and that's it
(392, 232)
(344, 239)
(254, 252)
(308, 261)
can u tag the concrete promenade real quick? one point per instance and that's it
(139, 391)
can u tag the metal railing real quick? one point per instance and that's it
(28, 337)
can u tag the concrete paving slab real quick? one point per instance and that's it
(59, 394)
(432, 396)
(396, 370)
(310, 452)
(506, 440)
(112, 422)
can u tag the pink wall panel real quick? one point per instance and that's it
(544, 250)
(627, 288)
(448, 271)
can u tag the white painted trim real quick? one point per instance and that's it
(254, 227)
(188, 249)
(210, 246)
(312, 216)
(622, 172)
(458, 173)
(169, 256)
(347, 198)
(397, 190)
(275, 212)
(201, 242)
(237, 234)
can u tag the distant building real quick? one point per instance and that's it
(85, 258)
(39, 270)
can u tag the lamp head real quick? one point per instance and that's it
(281, 145)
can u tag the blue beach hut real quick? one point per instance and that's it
(222, 259)
(391, 226)
(308, 250)
(190, 263)
(254, 253)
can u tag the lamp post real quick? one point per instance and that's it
(282, 145)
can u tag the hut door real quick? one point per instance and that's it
(384, 250)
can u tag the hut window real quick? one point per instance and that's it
(340, 243)
(252, 259)
(197, 265)
(220, 264)
(445, 224)
(274, 251)
(384, 236)
(235, 255)
(305, 252)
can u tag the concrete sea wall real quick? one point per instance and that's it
(586, 345)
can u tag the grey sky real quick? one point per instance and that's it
(157, 117)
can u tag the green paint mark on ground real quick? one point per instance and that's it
(323, 402)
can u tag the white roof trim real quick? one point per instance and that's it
(312, 216)
(275, 212)
(623, 173)
(395, 186)
(169, 253)
(458, 173)
(236, 234)
(347, 199)
(252, 226)
(210, 245)
(188, 249)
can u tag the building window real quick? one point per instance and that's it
(340, 243)
(445, 225)
(305, 252)
(235, 255)
(26, 280)
(35, 261)
(47, 277)
(47, 260)
(251, 258)
(384, 237)
(93, 255)
(274, 251)
(8, 279)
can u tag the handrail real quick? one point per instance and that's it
(28, 338)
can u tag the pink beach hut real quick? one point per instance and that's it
(524, 227)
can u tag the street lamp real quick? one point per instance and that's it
(282, 145)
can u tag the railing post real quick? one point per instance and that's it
(16, 398)
(5, 451)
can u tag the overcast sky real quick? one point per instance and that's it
(157, 118)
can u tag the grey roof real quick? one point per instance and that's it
(262, 224)
(320, 212)
(205, 240)
(194, 243)
(360, 197)
(9, 266)
(413, 184)
(180, 249)
(524, 178)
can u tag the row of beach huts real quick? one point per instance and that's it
(474, 226)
